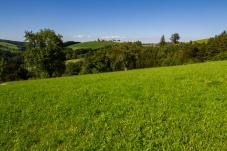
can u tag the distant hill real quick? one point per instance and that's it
(8, 45)
(91, 45)
(202, 40)
(17, 44)
(69, 43)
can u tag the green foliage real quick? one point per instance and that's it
(44, 75)
(162, 41)
(168, 108)
(70, 53)
(73, 68)
(68, 43)
(124, 56)
(3, 67)
(11, 69)
(92, 45)
(45, 51)
(117, 57)
(46, 54)
(175, 38)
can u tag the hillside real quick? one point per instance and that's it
(14, 44)
(91, 44)
(202, 40)
(8, 45)
(168, 108)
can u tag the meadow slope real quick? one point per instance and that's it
(91, 44)
(168, 108)
(8, 45)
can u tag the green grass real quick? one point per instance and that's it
(74, 60)
(168, 108)
(91, 44)
(8, 45)
(202, 41)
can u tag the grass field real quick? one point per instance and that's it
(74, 60)
(168, 108)
(8, 45)
(91, 44)
(202, 41)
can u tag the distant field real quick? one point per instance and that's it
(8, 45)
(202, 40)
(168, 108)
(92, 45)
(73, 60)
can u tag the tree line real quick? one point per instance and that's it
(133, 55)
(46, 54)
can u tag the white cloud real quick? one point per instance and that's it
(102, 37)
(84, 38)
(113, 37)
(80, 36)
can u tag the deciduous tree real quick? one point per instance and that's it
(45, 51)
(175, 38)
(162, 41)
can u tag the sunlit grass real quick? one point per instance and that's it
(168, 108)
(8, 45)
(74, 60)
(91, 44)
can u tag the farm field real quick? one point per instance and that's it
(202, 41)
(167, 108)
(74, 60)
(91, 44)
(8, 45)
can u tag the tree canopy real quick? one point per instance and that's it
(175, 38)
(44, 51)
(162, 41)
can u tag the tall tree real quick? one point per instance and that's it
(175, 38)
(162, 41)
(3, 64)
(11, 69)
(45, 51)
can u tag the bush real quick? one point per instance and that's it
(44, 75)
(73, 68)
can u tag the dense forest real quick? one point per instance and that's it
(133, 55)
(45, 54)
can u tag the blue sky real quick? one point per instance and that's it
(127, 20)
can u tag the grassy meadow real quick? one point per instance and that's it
(8, 45)
(74, 60)
(91, 44)
(202, 41)
(168, 108)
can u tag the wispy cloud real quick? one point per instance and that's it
(80, 36)
(84, 38)
(113, 37)
(102, 37)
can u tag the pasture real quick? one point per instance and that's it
(73, 60)
(202, 41)
(167, 108)
(8, 45)
(91, 45)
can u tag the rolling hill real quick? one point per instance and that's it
(14, 44)
(91, 44)
(168, 108)
(202, 40)
(8, 45)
